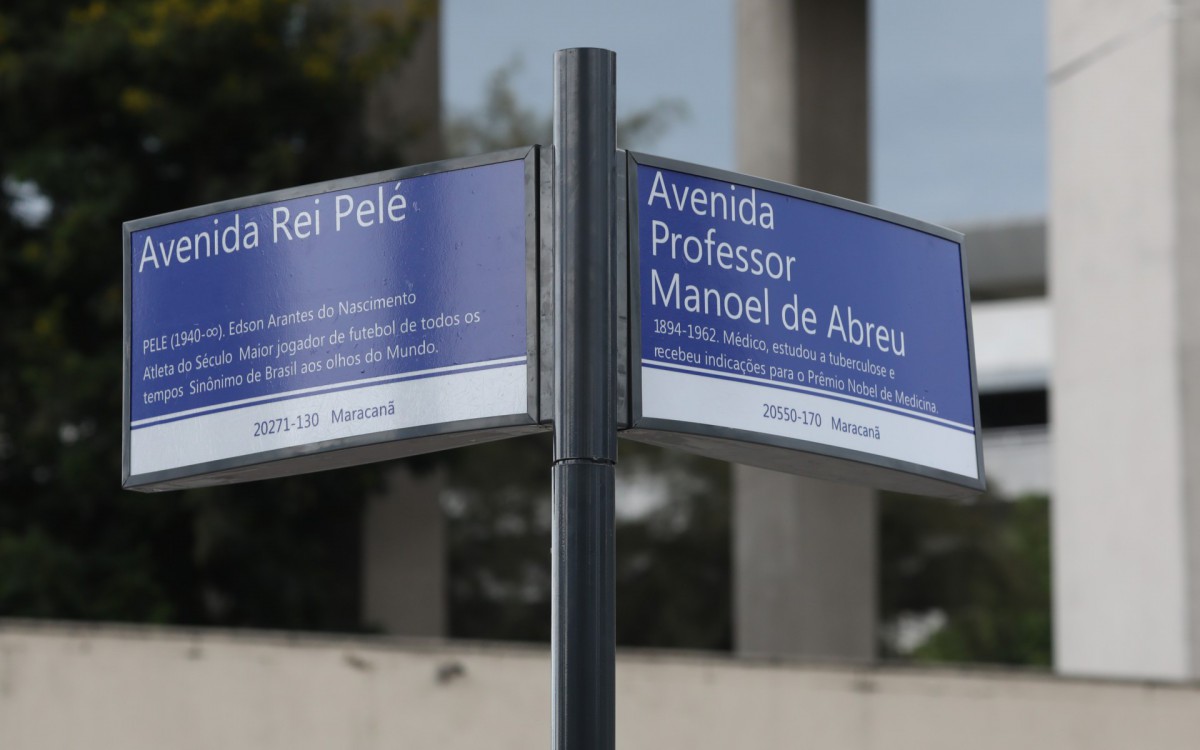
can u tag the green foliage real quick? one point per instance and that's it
(113, 111)
(984, 565)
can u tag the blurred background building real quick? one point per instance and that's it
(755, 607)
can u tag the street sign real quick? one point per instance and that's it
(797, 331)
(435, 306)
(333, 324)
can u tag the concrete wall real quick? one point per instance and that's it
(150, 689)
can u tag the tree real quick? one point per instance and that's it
(122, 109)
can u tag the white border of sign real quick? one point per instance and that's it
(400, 435)
(819, 460)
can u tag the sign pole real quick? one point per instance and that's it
(585, 438)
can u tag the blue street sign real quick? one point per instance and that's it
(377, 316)
(798, 331)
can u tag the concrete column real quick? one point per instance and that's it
(802, 93)
(805, 562)
(403, 537)
(404, 556)
(1125, 285)
(403, 109)
(804, 551)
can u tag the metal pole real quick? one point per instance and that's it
(582, 641)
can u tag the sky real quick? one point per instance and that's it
(958, 87)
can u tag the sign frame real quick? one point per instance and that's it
(368, 447)
(765, 450)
